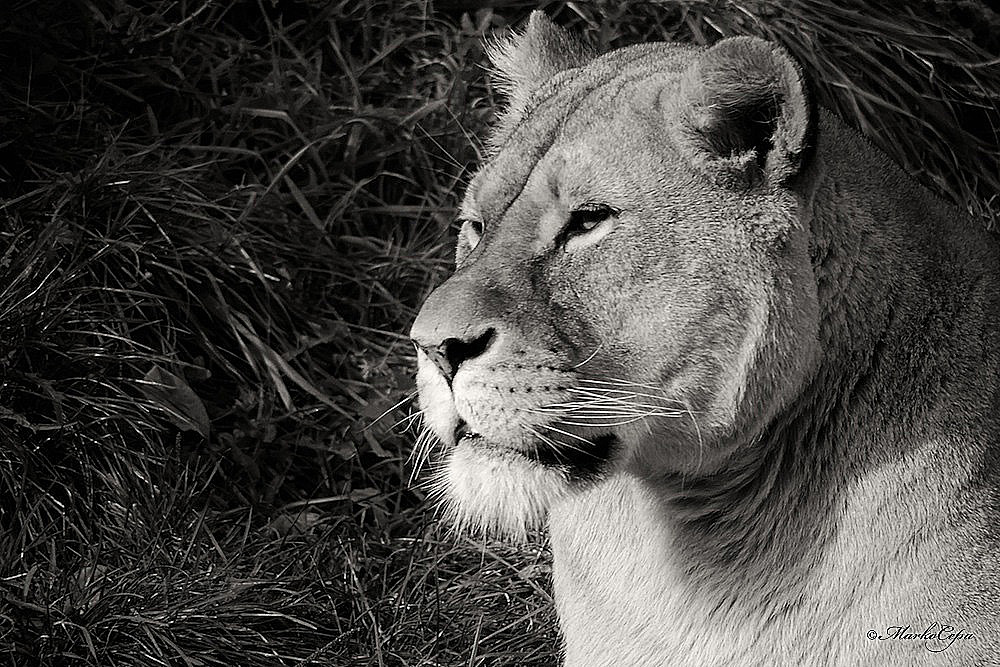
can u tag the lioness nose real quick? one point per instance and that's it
(451, 353)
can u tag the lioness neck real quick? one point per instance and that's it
(742, 558)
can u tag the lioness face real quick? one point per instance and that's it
(612, 305)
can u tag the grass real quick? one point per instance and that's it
(217, 222)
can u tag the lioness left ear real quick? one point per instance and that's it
(524, 61)
(744, 114)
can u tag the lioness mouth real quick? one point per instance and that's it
(462, 432)
(580, 459)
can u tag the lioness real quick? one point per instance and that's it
(744, 367)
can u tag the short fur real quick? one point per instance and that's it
(792, 348)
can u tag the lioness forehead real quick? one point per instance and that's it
(578, 96)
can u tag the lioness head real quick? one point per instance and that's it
(633, 284)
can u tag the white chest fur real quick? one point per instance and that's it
(625, 597)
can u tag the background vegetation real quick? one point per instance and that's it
(216, 222)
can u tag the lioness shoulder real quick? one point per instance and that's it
(742, 368)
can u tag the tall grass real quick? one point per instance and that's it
(216, 223)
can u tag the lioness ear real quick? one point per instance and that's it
(744, 114)
(525, 61)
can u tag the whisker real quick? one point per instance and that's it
(428, 447)
(415, 452)
(602, 394)
(617, 394)
(609, 424)
(568, 434)
(421, 453)
(701, 442)
(618, 382)
(600, 410)
(590, 358)
(554, 446)
(437, 484)
(571, 405)
(581, 413)
(615, 402)
(406, 399)
(409, 419)
(552, 441)
(624, 383)
(628, 392)
(588, 406)
(414, 457)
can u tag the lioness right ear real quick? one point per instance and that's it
(744, 115)
(524, 61)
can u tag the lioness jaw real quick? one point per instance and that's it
(741, 367)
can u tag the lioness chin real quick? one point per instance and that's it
(742, 367)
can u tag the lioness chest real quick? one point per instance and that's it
(872, 596)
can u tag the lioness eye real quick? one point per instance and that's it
(588, 217)
(474, 231)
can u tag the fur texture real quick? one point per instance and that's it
(743, 367)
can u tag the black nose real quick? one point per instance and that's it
(450, 354)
